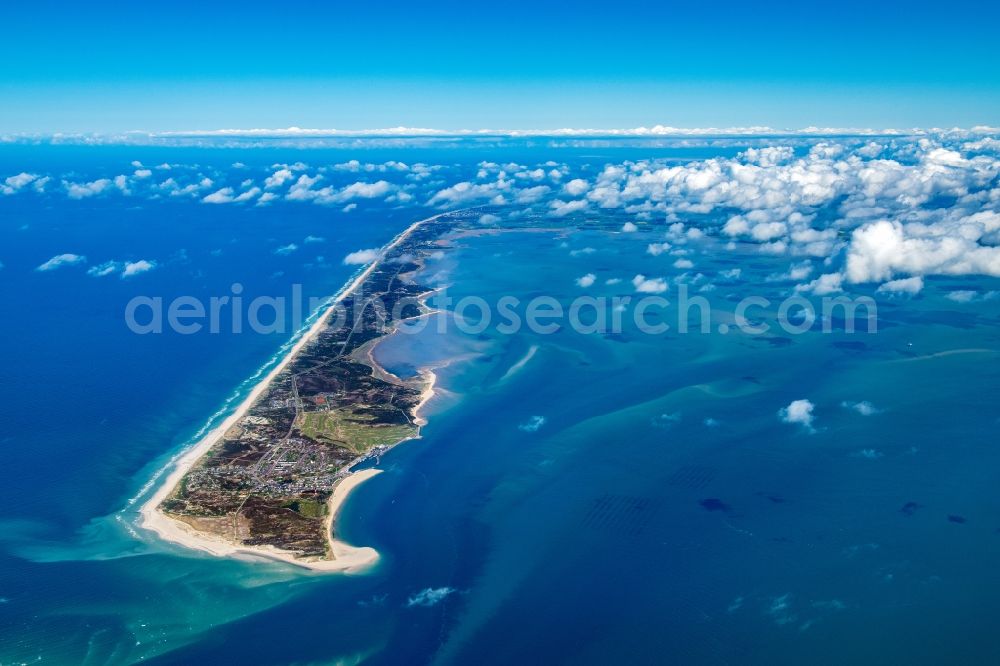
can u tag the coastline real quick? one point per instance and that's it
(347, 558)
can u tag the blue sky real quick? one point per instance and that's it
(177, 66)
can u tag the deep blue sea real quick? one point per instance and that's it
(575, 498)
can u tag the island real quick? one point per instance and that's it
(270, 479)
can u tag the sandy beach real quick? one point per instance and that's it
(347, 558)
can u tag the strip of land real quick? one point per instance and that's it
(270, 479)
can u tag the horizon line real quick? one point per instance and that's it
(656, 131)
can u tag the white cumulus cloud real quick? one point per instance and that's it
(361, 257)
(278, 178)
(885, 248)
(133, 268)
(862, 407)
(798, 411)
(13, 184)
(430, 596)
(645, 285)
(123, 269)
(61, 260)
(84, 190)
(576, 187)
(910, 285)
(830, 283)
(560, 208)
(225, 195)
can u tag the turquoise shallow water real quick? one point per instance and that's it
(627, 528)
(625, 498)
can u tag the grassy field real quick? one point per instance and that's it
(307, 508)
(350, 430)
